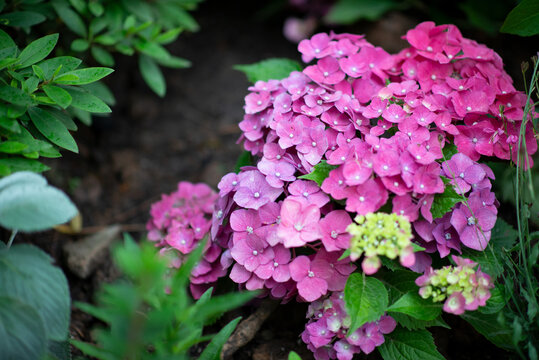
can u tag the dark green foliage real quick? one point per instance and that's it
(523, 20)
(150, 315)
(101, 28)
(38, 98)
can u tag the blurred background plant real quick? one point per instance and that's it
(513, 17)
(150, 315)
(99, 28)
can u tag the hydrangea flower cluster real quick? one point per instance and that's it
(327, 329)
(462, 287)
(397, 131)
(179, 221)
(383, 234)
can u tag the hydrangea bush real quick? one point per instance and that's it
(396, 142)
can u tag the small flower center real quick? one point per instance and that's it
(334, 234)
(310, 274)
(471, 221)
(256, 195)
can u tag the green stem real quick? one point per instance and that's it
(11, 238)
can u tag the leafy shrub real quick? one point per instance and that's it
(39, 97)
(104, 27)
(149, 314)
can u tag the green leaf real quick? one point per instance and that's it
(212, 351)
(444, 202)
(10, 124)
(21, 164)
(414, 324)
(412, 304)
(83, 100)
(22, 18)
(58, 95)
(66, 64)
(12, 147)
(449, 150)
(293, 356)
(96, 8)
(490, 328)
(22, 332)
(37, 50)
(168, 36)
(403, 344)
(6, 41)
(174, 62)
(27, 273)
(320, 172)
(64, 117)
(398, 283)
(100, 90)
(348, 11)
(34, 207)
(366, 299)
(245, 159)
(275, 68)
(152, 75)
(84, 76)
(153, 50)
(102, 56)
(496, 302)
(72, 20)
(80, 45)
(52, 129)
(15, 96)
(523, 20)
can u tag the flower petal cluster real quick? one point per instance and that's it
(376, 234)
(179, 222)
(327, 328)
(461, 287)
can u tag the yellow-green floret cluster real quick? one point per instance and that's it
(376, 234)
(462, 287)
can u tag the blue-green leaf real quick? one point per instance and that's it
(34, 207)
(22, 332)
(27, 273)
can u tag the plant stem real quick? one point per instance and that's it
(11, 238)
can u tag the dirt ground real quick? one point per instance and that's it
(148, 144)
